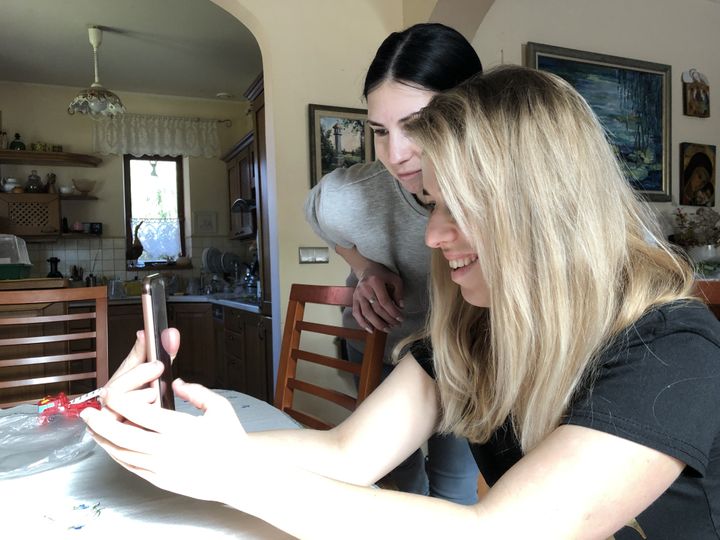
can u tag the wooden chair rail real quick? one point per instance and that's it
(9, 321)
(330, 330)
(48, 359)
(48, 380)
(709, 291)
(307, 419)
(33, 340)
(49, 296)
(342, 365)
(328, 394)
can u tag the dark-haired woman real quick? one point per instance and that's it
(373, 215)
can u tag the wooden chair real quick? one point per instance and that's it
(709, 291)
(368, 373)
(45, 350)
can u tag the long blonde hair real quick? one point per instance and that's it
(570, 255)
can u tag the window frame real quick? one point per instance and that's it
(180, 176)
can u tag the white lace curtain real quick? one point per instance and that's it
(145, 134)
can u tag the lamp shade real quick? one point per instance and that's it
(96, 101)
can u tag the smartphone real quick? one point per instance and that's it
(155, 321)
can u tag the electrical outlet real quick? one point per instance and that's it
(313, 255)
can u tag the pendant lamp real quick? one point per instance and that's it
(96, 101)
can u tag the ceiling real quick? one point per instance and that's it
(189, 48)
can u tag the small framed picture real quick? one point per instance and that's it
(696, 94)
(205, 222)
(697, 174)
(339, 137)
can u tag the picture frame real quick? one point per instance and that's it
(697, 174)
(330, 125)
(632, 100)
(205, 222)
(696, 94)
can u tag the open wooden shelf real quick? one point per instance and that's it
(57, 159)
(78, 197)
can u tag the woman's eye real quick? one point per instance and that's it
(380, 132)
(430, 206)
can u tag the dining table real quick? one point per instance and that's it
(88, 495)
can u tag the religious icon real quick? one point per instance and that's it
(696, 94)
(697, 174)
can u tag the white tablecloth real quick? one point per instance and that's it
(96, 498)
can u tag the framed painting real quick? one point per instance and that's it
(697, 174)
(339, 137)
(632, 100)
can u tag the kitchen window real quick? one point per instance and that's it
(154, 217)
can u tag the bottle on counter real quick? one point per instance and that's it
(3, 140)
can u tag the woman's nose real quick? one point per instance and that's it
(439, 230)
(401, 148)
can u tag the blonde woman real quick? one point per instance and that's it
(567, 349)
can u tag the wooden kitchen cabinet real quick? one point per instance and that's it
(241, 184)
(30, 215)
(219, 339)
(195, 361)
(248, 353)
(255, 94)
(123, 323)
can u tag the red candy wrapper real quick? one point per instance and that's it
(60, 404)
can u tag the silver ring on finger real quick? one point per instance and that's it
(371, 300)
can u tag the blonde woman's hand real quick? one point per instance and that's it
(378, 298)
(124, 379)
(182, 453)
(170, 341)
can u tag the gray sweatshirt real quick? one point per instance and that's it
(365, 207)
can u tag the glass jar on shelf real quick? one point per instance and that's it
(34, 183)
(17, 144)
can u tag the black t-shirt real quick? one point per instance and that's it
(657, 384)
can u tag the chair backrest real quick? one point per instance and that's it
(709, 291)
(45, 349)
(368, 372)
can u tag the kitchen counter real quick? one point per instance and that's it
(223, 299)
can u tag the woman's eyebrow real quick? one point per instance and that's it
(373, 123)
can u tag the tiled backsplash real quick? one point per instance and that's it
(105, 257)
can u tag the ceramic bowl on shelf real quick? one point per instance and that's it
(66, 190)
(704, 254)
(84, 186)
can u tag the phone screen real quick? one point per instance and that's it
(155, 318)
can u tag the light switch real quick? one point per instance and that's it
(313, 255)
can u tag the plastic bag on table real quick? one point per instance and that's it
(27, 446)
